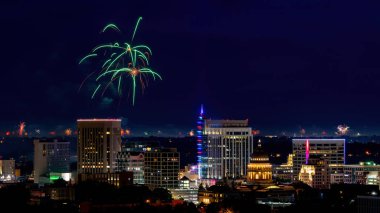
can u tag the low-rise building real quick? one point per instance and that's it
(119, 179)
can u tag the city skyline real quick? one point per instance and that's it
(291, 66)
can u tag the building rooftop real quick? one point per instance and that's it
(226, 123)
(47, 140)
(98, 119)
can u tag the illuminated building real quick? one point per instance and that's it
(259, 168)
(331, 150)
(99, 141)
(185, 192)
(362, 173)
(201, 145)
(336, 173)
(315, 173)
(161, 168)
(306, 174)
(359, 173)
(190, 172)
(7, 170)
(216, 194)
(133, 162)
(229, 145)
(284, 172)
(276, 196)
(373, 178)
(50, 156)
(118, 179)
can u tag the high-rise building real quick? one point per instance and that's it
(99, 141)
(331, 150)
(200, 144)
(132, 162)
(315, 173)
(161, 168)
(7, 170)
(259, 168)
(229, 144)
(50, 156)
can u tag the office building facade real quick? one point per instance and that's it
(358, 173)
(284, 172)
(316, 173)
(50, 156)
(132, 162)
(161, 168)
(99, 141)
(332, 150)
(7, 170)
(229, 144)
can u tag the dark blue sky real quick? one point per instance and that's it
(282, 64)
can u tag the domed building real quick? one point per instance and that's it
(259, 168)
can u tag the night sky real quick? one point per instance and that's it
(283, 64)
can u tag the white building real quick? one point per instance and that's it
(331, 150)
(229, 146)
(7, 170)
(50, 156)
(99, 141)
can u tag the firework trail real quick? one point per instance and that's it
(21, 128)
(122, 61)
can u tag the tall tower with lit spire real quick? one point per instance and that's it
(200, 148)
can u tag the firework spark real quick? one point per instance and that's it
(122, 61)
(21, 129)
(68, 132)
(342, 129)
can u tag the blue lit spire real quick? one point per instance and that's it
(200, 150)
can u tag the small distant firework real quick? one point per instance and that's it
(255, 132)
(7, 133)
(37, 131)
(68, 132)
(21, 129)
(191, 133)
(125, 132)
(342, 129)
(52, 133)
(302, 131)
(122, 60)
